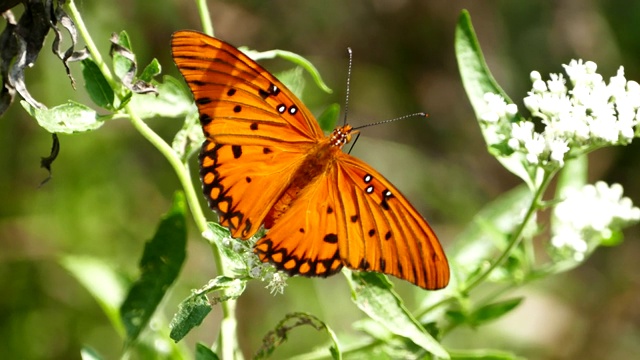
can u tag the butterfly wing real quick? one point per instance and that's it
(353, 216)
(257, 131)
(385, 232)
(304, 240)
(242, 183)
(240, 103)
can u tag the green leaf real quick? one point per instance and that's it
(494, 311)
(329, 117)
(373, 294)
(294, 58)
(204, 353)
(191, 312)
(233, 260)
(173, 100)
(150, 71)
(122, 65)
(96, 84)
(293, 80)
(160, 265)
(102, 282)
(195, 308)
(483, 354)
(477, 81)
(278, 336)
(68, 118)
(489, 229)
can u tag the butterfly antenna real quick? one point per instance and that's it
(420, 114)
(346, 100)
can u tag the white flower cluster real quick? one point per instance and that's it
(589, 215)
(590, 114)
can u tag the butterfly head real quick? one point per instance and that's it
(342, 135)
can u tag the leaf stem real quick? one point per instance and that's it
(205, 17)
(516, 236)
(93, 49)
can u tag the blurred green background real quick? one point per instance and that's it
(110, 187)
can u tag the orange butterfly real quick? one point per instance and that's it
(266, 161)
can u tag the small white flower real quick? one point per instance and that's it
(513, 143)
(532, 102)
(590, 214)
(490, 117)
(539, 86)
(497, 108)
(277, 283)
(556, 84)
(522, 131)
(534, 147)
(511, 109)
(534, 75)
(255, 271)
(558, 148)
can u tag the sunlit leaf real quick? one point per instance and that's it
(68, 118)
(477, 81)
(373, 294)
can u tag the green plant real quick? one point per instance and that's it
(495, 251)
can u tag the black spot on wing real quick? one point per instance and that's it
(331, 238)
(203, 101)
(237, 151)
(205, 119)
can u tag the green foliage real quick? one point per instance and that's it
(96, 84)
(68, 118)
(374, 295)
(495, 251)
(160, 265)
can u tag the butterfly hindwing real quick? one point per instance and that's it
(240, 102)
(304, 240)
(385, 232)
(238, 182)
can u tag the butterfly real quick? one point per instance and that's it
(266, 162)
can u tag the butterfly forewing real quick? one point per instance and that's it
(238, 182)
(238, 100)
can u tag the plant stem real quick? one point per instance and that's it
(93, 49)
(205, 17)
(516, 236)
